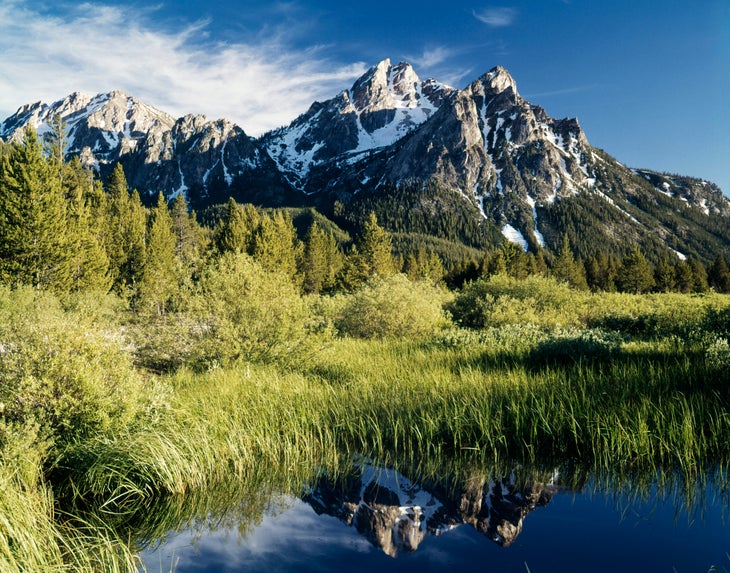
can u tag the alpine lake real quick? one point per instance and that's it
(369, 516)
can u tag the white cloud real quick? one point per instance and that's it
(432, 56)
(496, 17)
(260, 85)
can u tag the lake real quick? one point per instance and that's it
(373, 518)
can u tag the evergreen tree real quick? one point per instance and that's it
(354, 273)
(411, 267)
(699, 275)
(684, 277)
(190, 238)
(89, 260)
(34, 245)
(126, 237)
(315, 266)
(276, 246)
(431, 269)
(235, 230)
(565, 268)
(635, 274)
(159, 281)
(375, 247)
(664, 276)
(718, 275)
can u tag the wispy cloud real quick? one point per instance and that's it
(496, 17)
(260, 84)
(433, 56)
(562, 91)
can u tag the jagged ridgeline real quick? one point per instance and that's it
(471, 167)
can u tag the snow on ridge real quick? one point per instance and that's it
(514, 236)
(681, 256)
(538, 235)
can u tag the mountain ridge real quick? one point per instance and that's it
(505, 158)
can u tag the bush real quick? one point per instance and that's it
(61, 371)
(389, 307)
(500, 300)
(243, 312)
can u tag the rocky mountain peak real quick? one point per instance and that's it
(499, 80)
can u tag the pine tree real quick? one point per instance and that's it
(190, 238)
(34, 248)
(354, 272)
(718, 275)
(566, 269)
(276, 246)
(684, 277)
(159, 280)
(635, 274)
(664, 276)
(89, 260)
(699, 275)
(375, 247)
(315, 266)
(235, 230)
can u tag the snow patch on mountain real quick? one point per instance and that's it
(514, 236)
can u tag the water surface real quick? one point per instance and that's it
(376, 519)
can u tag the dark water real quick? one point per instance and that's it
(375, 519)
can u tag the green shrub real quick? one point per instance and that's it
(243, 312)
(573, 345)
(500, 300)
(60, 371)
(389, 307)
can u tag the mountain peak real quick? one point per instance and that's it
(499, 80)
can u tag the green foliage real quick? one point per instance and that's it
(236, 227)
(191, 240)
(61, 372)
(125, 240)
(321, 260)
(717, 355)
(499, 299)
(376, 248)
(159, 281)
(635, 274)
(566, 269)
(34, 242)
(576, 346)
(391, 307)
(243, 312)
(276, 246)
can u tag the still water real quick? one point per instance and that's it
(376, 519)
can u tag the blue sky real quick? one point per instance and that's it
(649, 81)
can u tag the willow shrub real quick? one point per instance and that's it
(500, 300)
(62, 370)
(243, 312)
(390, 307)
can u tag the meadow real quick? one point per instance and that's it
(115, 426)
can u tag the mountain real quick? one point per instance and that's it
(473, 166)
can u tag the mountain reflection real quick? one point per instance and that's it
(396, 515)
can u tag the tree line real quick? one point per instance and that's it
(62, 230)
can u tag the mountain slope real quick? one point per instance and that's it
(477, 165)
